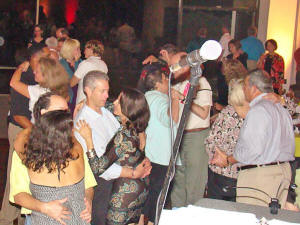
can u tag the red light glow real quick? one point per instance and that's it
(71, 7)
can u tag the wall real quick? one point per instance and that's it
(264, 6)
(281, 27)
(296, 44)
(5, 4)
(154, 19)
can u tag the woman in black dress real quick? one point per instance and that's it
(236, 52)
(37, 41)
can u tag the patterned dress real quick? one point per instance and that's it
(224, 135)
(128, 195)
(75, 203)
(290, 104)
(274, 65)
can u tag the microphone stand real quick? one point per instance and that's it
(196, 73)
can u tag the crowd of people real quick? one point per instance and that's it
(77, 158)
(17, 32)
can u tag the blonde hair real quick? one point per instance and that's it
(68, 48)
(233, 69)
(236, 96)
(96, 46)
(55, 77)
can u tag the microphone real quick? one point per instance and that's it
(273, 205)
(210, 50)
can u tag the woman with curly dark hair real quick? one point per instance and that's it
(128, 195)
(49, 143)
(55, 164)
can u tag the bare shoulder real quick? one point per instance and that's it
(21, 140)
(77, 148)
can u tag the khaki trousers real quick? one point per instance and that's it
(270, 179)
(191, 178)
(10, 212)
(251, 65)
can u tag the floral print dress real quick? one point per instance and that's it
(224, 135)
(274, 65)
(128, 195)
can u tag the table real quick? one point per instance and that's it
(259, 211)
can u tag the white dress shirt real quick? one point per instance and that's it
(90, 64)
(104, 126)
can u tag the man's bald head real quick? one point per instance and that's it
(48, 102)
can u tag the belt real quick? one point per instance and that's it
(195, 130)
(254, 166)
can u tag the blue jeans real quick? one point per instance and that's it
(28, 220)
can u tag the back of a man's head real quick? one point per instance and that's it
(35, 49)
(261, 81)
(91, 78)
(252, 31)
(36, 55)
(62, 32)
(48, 102)
(170, 48)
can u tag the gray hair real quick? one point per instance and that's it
(51, 42)
(262, 82)
(91, 77)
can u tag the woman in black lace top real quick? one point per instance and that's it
(128, 195)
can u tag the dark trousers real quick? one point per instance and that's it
(216, 184)
(157, 177)
(102, 194)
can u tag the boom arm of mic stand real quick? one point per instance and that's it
(196, 73)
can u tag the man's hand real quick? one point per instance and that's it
(150, 59)
(290, 206)
(213, 118)
(56, 210)
(176, 95)
(143, 169)
(218, 106)
(275, 98)
(24, 66)
(86, 214)
(78, 107)
(219, 159)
